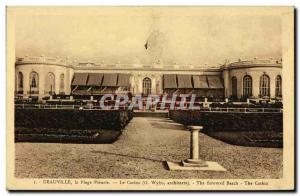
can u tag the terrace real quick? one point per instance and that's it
(140, 153)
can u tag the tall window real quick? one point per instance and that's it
(234, 86)
(146, 86)
(20, 80)
(278, 87)
(247, 86)
(62, 83)
(50, 83)
(34, 80)
(264, 86)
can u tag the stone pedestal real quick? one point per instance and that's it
(194, 162)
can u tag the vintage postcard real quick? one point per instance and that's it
(150, 98)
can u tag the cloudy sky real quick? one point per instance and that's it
(174, 35)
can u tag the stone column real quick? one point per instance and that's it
(194, 148)
(140, 85)
(57, 82)
(159, 89)
(194, 160)
(239, 85)
(255, 84)
(67, 82)
(226, 80)
(26, 83)
(272, 85)
(41, 86)
(153, 85)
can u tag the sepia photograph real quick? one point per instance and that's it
(150, 98)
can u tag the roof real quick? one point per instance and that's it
(124, 80)
(215, 82)
(170, 81)
(184, 81)
(110, 79)
(95, 79)
(200, 81)
(80, 79)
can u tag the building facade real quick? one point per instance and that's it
(43, 76)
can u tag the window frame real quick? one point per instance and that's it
(247, 86)
(147, 86)
(264, 85)
(278, 86)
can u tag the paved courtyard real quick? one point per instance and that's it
(141, 152)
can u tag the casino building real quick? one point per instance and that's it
(39, 77)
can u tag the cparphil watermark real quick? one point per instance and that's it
(152, 101)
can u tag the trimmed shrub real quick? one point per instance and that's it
(72, 119)
(220, 121)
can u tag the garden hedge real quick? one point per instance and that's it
(222, 121)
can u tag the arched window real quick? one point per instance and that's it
(234, 86)
(20, 80)
(264, 86)
(50, 83)
(247, 86)
(34, 80)
(62, 83)
(146, 86)
(278, 87)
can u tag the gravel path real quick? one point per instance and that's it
(140, 152)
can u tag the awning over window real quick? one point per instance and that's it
(215, 82)
(170, 81)
(200, 82)
(124, 80)
(184, 81)
(109, 79)
(80, 79)
(95, 79)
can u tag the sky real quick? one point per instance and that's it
(186, 35)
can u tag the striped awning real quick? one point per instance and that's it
(170, 81)
(95, 79)
(184, 81)
(200, 82)
(80, 79)
(215, 82)
(110, 79)
(124, 80)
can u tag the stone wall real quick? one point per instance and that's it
(255, 74)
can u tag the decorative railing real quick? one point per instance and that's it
(57, 106)
(43, 60)
(93, 107)
(243, 110)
